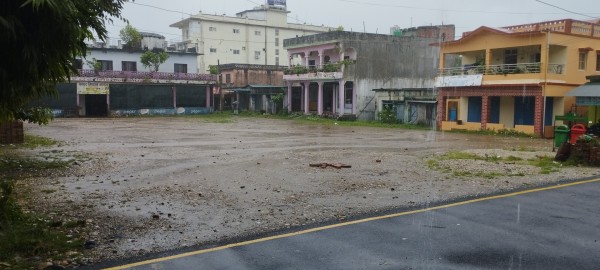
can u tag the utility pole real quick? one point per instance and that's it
(220, 86)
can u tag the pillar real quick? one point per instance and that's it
(485, 111)
(354, 99)
(320, 99)
(538, 126)
(289, 97)
(306, 54)
(306, 97)
(321, 57)
(441, 108)
(208, 101)
(341, 98)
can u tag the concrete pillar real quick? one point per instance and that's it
(208, 101)
(441, 108)
(538, 126)
(289, 97)
(485, 111)
(306, 54)
(334, 102)
(306, 97)
(341, 98)
(321, 52)
(320, 99)
(354, 105)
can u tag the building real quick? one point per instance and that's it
(412, 106)
(251, 87)
(339, 71)
(112, 82)
(440, 32)
(252, 37)
(515, 77)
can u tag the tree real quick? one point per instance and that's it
(40, 41)
(131, 37)
(153, 59)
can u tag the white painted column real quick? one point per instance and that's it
(341, 96)
(289, 97)
(320, 99)
(354, 105)
(306, 97)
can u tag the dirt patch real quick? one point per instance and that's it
(154, 184)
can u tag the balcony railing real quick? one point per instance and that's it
(146, 75)
(524, 68)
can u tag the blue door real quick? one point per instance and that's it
(474, 110)
(524, 110)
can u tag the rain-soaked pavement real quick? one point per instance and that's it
(147, 185)
(549, 228)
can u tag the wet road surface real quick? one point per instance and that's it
(549, 228)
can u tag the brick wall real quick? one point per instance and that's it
(11, 132)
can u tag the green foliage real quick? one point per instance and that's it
(36, 115)
(153, 59)
(40, 40)
(340, 28)
(94, 64)
(131, 37)
(214, 70)
(387, 115)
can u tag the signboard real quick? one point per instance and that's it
(276, 2)
(457, 81)
(91, 88)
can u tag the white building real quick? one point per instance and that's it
(252, 37)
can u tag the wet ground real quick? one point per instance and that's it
(154, 184)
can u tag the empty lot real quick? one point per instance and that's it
(154, 184)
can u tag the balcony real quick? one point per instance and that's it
(331, 71)
(524, 68)
(142, 77)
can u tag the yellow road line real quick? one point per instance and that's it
(346, 224)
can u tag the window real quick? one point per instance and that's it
(128, 66)
(180, 68)
(213, 50)
(311, 63)
(212, 29)
(276, 32)
(276, 51)
(236, 51)
(277, 61)
(582, 60)
(106, 65)
(227, 78)
(236, 31)
(257, 33)
(256, 54)
(597, 60)
(276, 41)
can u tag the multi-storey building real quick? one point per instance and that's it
(515, 77)
(339, 71)
(112, 81)
(251, 37)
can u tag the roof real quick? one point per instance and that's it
(154, 35)
(591, 89)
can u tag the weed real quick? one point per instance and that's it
(513, 158)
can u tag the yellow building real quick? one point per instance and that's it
(515, 77)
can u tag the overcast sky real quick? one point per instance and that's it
(359, 15)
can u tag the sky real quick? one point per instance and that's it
(376, 16)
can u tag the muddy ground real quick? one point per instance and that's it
(152, 184)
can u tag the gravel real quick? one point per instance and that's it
(155, 184)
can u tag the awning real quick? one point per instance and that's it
(586, 90)
(587, 94)
(422, 101)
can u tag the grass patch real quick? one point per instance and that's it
(315, 119)
(547, 165)
(26, 240)
(34, 141)
(217, 117)
(502, 132)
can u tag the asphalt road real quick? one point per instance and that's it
(549, 228)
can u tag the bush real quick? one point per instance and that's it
(388, 115)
